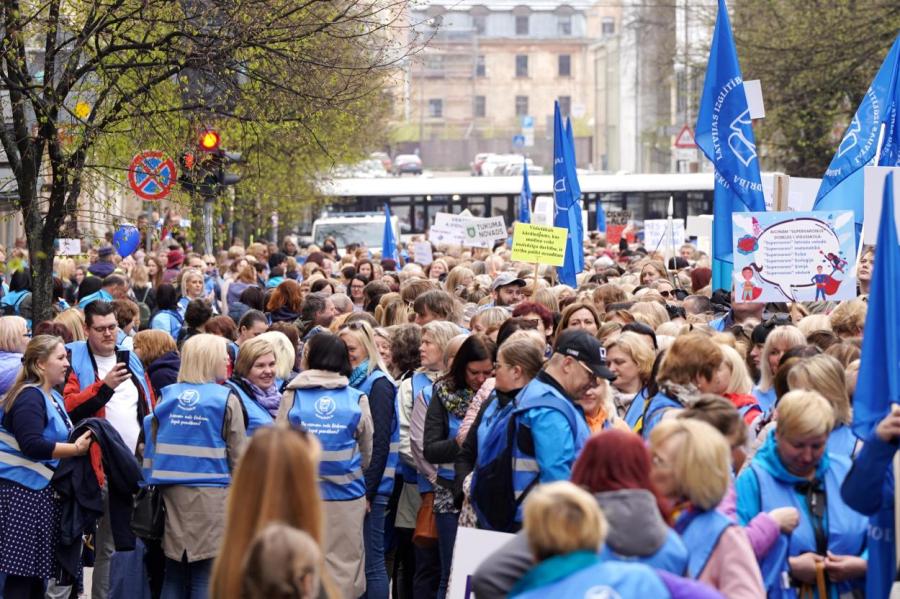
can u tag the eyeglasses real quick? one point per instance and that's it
(594, 378)
(109, 329)
(210, 263)
(667, 293)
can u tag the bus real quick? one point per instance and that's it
(414, 201)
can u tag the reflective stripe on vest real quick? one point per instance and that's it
(19, 468)
(257, 416)
(189, 448)
(422, 384)
(333, 416)
(147, 462)
(386, 485)
(537, 394)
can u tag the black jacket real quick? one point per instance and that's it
(163, 371)
(82, 503)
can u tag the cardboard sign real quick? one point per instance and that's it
(794, 256)
(422, 253)
(536, 243)
(657, 236)
(68, 247)
(472, 547)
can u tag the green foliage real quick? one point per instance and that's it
(815, 59)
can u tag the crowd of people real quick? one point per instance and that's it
(300, 421)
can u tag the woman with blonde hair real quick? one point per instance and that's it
(193, 441)
(653, 270)
(794, 468)
(13, 340)
(254, 382)
(459, 280)
(631, 359)
(73, 319)
(825, 375)
(285, 357)
(192, 288)
(277, 476)
(739, 385)
(780, 340)
(282, 563)
(34, 433)
(692, 468)
(488, 321)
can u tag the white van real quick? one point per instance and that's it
(353, 227)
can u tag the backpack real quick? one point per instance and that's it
(144, 310)
(492, 492)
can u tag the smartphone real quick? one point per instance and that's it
(122, 356)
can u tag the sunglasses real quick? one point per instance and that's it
(667, 293)
(594, 377)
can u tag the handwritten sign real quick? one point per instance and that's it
(422, 253)
(659, 237)
(794, 256)
(539, 244)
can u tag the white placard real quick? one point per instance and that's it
(699, 226)
(753, 91)
(439, 235)
(801, 192)
(422, 253)
(472, 547)
(657, 239)
(873, 198)
(472, 231)
(543, 211)
(69, 247)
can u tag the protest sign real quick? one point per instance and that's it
(422, 253)
(543, 211)
(69, 247)
(794, 256)
(472, 548)
(873, 194)
(439, 235)
(617, 222)
(470, 230)
(658, 238)
(538, 244)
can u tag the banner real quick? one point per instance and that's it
(539, 244)
(794, 256)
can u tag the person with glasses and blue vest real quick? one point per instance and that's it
(193, 442)
(795, 468)
(551, 428)
(370, 376)
(34, 433)
(321, 400)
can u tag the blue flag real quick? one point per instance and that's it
(567, 211)
(601, 217)
(388, 241)
(878, 382)
(842, 185)
(525, 196)
(576, 190)
(725, 134)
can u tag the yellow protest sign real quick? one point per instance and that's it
(539, 244)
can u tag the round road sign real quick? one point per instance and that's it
(152, 175)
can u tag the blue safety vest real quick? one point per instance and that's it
(147, 462)
(765, 399)
(169, 321)
(256, 415)
(386, 486)
(491, 414)
(333, 416)
(13, 300)
(700, 533)
(182, 305)
(407, 471)
(655, 410)
(846, 528)
(602, 580)
(190, 448)
(671, 557)
(84, 367)
(19, 468)
(526, 470)
(633, 416)
(100, 295)
(842, 442)
(422, 384)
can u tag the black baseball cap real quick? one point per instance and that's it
(585, 348)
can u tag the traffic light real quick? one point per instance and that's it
(209, 140)
(204, 169)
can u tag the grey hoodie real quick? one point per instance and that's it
(636, 529)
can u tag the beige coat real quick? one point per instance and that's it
(343, 546)
(195, 516)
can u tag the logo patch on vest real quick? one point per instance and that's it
(325, 407)
(601, 592)
(189, 399)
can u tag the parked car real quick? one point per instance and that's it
(477, 162)
(407, 163)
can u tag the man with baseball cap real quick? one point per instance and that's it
(507, 290)
(551, 428)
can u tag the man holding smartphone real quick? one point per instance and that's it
(108, 382)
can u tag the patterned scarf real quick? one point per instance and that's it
(269, 398)
(456, 402)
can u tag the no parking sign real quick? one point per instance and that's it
(152, 175)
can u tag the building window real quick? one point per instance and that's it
(564, 25)
(479, 66)
(479, 24)
(565, 65)
(522, 25)
(521, 65)
(608, 26)
(565, 106)
(435, 108)
(521, 105)
(480, 108)
(434, 65)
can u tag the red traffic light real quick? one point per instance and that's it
(209, 140)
